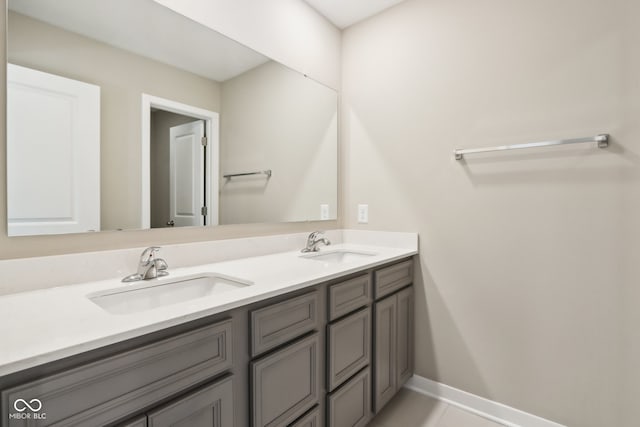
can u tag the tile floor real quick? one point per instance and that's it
(411, 409)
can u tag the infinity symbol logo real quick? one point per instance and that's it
(37, 405)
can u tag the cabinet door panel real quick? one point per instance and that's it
(286, 384)
(349, 342)
(385, 351)
(350, 405)
(211, 406)
(405, 357)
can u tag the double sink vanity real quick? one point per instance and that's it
(288, 338)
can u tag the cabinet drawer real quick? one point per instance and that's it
(104, 391)
(310, 419)
(211, 406)
(349, 342)
(278, 323)
(350, 405)
(392, 278)
(286, 384)
(345, 297)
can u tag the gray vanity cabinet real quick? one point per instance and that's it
(312, 358)
(393, 331)
(349, 352)
(350, 405)
(285, 384)
(349, 347)
(211, 406)
(286, 378)
(118, 386)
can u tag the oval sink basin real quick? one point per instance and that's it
(147, 295)
(339, 256)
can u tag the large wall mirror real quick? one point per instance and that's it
(123, 114)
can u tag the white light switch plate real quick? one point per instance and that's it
(363, 214)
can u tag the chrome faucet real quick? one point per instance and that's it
(149, 267)
(314, 240)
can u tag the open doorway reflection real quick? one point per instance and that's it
(180, 147)
(177, 170)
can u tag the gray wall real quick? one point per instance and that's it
(527, 286)
(302, 154)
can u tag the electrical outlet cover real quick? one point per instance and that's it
(324, 211)
(363, 214)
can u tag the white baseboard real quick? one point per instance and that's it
(486, 408)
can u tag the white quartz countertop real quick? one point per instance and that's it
(46, 325)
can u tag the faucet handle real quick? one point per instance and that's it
(149, 254)
(315, 234)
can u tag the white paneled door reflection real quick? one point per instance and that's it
(53, 153)
(186, 174)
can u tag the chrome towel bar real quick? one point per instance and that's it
(602, 140)
(265, 172)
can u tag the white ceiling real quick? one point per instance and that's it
(149, 29)
(344, 13)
